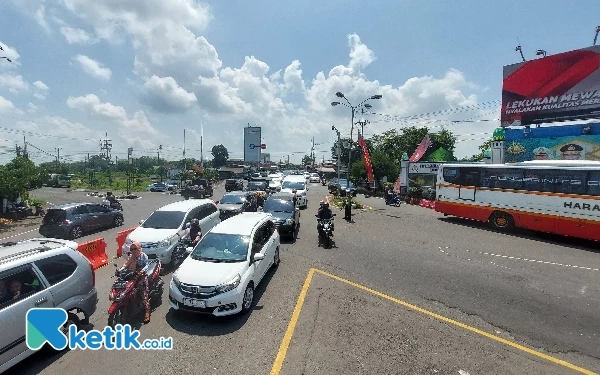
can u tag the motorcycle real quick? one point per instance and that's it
(323, 182)
(39, 211)
(126, 296)
(325, 229)
(114, 205)
(393, 200)
(180, 252)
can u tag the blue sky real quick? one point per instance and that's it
(145, 70)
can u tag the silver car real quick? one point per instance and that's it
(41, 273)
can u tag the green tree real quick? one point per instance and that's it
(482, 148)
(20, 175)
(306, 160)
(382, 166)
(394, 143)
(356, 152)
(220, 156)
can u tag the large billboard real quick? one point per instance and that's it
(560, 87)
(252, 142)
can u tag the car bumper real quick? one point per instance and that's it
(161, 253)
(315, 180)
(285, 229)
(224, 304)
(89, 303)
(302, 201)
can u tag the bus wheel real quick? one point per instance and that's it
(501, 220)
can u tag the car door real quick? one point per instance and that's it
(204, 216)
(99, 216)
(258, 246)
(82, 217)
(13, 312)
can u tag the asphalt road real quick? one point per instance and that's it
(540, 293)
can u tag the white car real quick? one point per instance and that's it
(306, 175)
(314, 177)
(296, 185)
(160, 233)
(222, 272)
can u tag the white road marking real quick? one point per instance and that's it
(17, 235)
(582, 291)
(539, 261)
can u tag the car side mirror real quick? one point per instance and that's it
(258, 257)
(142, 222)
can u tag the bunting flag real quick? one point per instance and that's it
(368, 165)
(421, 150)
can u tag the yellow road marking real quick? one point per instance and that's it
(287, 338)
(290, 331)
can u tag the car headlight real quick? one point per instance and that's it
(176, 281)
(230, 285)
(289, 221)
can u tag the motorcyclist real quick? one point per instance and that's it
(110, 198)
(324, 213)
(138, 262)
(194, 233)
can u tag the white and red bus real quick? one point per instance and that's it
(561, 197)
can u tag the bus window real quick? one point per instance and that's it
(555, 181)
(503, 178)
(451, 175)
(470, 177)
(593, 184)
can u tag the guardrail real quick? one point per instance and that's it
(95, 252)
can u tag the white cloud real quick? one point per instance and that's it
(40, 17)
(292, 77)
(14, 83)
(6, 105)
(12, 54)
(92, 105)
(40, 86)
(166, 95)
(32, 108)
(41, 90)
(94, 68)
(76, 36)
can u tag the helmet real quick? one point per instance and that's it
(108, 193)
(325, 205)
(322, 203)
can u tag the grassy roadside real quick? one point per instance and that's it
(340, 202)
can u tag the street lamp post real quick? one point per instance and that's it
(353, 109)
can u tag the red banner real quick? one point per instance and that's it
(368, 165)
(560, 87)
(420, 151)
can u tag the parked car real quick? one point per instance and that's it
(332, 186)
(314, 177)
(235, 203)
(341, 187)
(52, 274)
(284, 214)
(73, 220)
(233, 184)
(158, 187)
(161, 231)
(226, 266)
(200, 188)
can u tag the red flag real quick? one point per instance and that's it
(420, 151)
(368, 165)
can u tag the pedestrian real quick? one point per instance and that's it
(348, 206)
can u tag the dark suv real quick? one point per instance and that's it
(233, 184)
(74, 219)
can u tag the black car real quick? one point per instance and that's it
(234, 184)
(339, 187)
(237, 202)
(75, 219)
(285, 215)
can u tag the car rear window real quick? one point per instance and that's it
(54, 216)
(57, 268)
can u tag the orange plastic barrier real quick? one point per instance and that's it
(422, 203)
(121, 236)
(95, 252)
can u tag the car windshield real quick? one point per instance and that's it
(164, 220)
(232, 199)
(218, 247)
(278, 205)
(293, 185)
(255, 187)
(343, 184)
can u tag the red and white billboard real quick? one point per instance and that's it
(560, 87)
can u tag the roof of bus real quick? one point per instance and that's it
(583, 164)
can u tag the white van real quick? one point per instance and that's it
(161, 232)
(296, 184)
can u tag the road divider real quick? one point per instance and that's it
(121, 236)
(95, 252)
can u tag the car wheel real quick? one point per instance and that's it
(76, 232)
(248, 298)
(118, 221)
(502, 221)
(276, 259)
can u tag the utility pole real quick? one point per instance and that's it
(57, 160)
(129, 178)
(159, 171)
(105, 147)
(339, 151)
(25, 154)
(18, 150)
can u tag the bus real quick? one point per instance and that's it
(561, 197)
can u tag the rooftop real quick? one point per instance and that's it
(185, 205)
(241, 224)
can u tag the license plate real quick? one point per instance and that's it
(194, 303)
